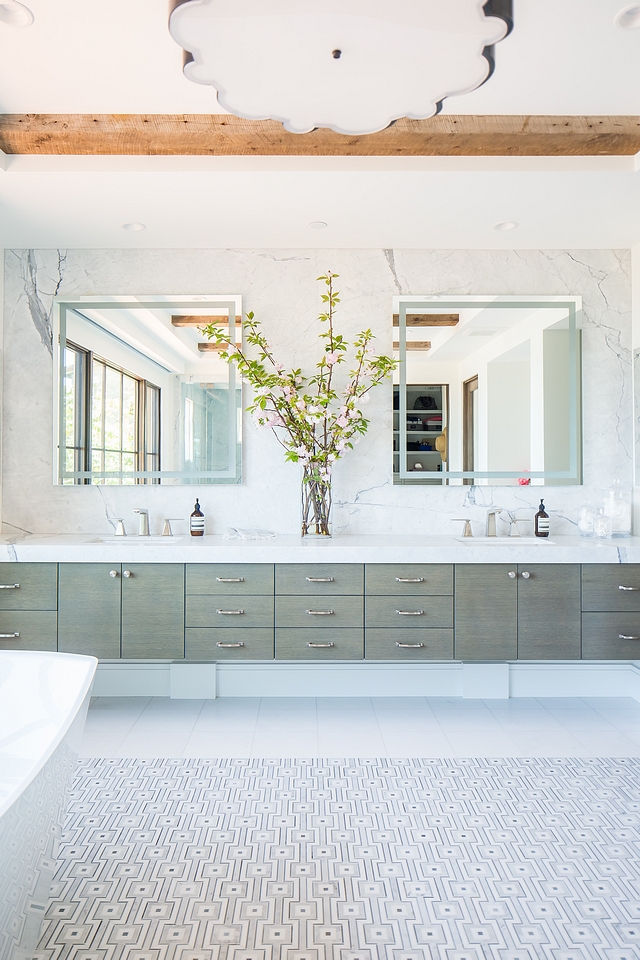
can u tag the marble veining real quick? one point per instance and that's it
(280, 287)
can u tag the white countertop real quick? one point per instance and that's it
(339, 549)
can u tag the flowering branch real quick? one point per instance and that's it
(314, 423)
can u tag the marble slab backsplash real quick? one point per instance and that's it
(279, 285)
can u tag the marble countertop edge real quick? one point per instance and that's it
(87, 548)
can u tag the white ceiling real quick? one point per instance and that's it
(103, 56)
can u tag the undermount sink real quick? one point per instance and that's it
(506, 541)
(139, 541)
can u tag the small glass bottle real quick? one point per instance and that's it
(586, 516)
(617, 506)
(602, 525)
(541, 522)
(196, 521)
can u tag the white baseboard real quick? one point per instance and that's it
(576, 678)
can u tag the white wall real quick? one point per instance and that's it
(279, 285)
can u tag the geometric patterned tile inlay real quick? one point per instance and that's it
(349, 860)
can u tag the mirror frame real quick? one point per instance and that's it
(447, 304)
(61, 307)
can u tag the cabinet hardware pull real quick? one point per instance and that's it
(409, 579)
(512, 574)
(409, 646)
(321, 645)
(525, 574)
(410, 613)
(230, 579)
(229, 646)
(621, 636)
(230, 613)
(113, 573)
(127, 574)
(319, 579)
(320, 613)
(7, 636)
(628, 588)
(9, 586)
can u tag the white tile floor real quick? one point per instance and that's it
(362, 727)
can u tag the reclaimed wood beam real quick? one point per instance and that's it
(186, 321)
(414, 345)
(429, 319)
(444, 135)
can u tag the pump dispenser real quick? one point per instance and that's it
(541, 522)
(196, 521)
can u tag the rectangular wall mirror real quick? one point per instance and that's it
(141, 397)
(488, 390)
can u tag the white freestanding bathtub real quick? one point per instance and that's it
(43, 706)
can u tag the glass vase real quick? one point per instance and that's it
(316, 506)
(617, 505)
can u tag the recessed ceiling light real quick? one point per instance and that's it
(629, 17)
(505, 225)
(134, 225)
(15, 14)
(318, 225)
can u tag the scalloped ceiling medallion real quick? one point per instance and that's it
(353, 66)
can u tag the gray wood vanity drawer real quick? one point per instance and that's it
(603, 636)
(227, 578)
(230, 611)
(28, 586)
(601, 586)
(202, 643)
(319, 579)
(387, 644)
(328, 644)
(319, 612)
(412, 613)
(37, 629)
(408, 579)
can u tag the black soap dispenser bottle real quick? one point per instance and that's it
(196, 521)
(541, 522)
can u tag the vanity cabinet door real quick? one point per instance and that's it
(153, 611)
(486, 611)
(548, 611)
(89, 609)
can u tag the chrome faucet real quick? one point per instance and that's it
(491, 521)
(143, 528)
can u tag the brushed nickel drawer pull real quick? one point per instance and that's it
(230, 579)
(320, 613)
(409, 579)
(230, 613)
(628, 588)
(8, 636)
(113, 573)
(9, 586)
(319, 579)
(410, 613)
(409, 646)
(229, 646)
(512, 574)
(525, 574)
(127, 574)
(621, 636)
(321, 645)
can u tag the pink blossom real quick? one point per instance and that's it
(342, 420)
(332, 358)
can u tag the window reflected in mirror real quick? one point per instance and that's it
(142, 396)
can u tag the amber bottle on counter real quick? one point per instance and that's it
(541, 522)
(196, 521)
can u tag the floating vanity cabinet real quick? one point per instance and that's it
(89, 604)
(153, 611)
(28, 602)
(319, 611)
(486, 611)
(229, 611)
(611, 611)
(548, 611)
(409, 611)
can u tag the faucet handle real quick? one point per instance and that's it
(166, 530)
(467, 532)
(120, 530)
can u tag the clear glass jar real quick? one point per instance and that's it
(586, 516)
(602, 525)
(617, 506)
